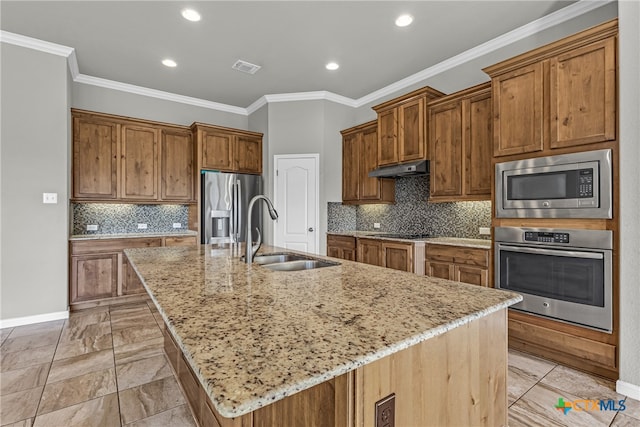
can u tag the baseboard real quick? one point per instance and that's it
(628, 389)
(38, 318)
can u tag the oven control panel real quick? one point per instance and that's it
(546, 237)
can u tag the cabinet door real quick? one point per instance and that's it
(388, 137)
(217, 150)
(398, 256)
(446, 150)
(177, 170)
(474, 276)
(583, 95)
(180, 241)
(440, 270)
(334, 251)
(369, 251)
(411, 138)
(350, 167)
(518, 111)
(131, 283)
(93, 277)
(248, 154)
(349, 254)
(369, 187)
(95, 158)
(139, 162)
(478, 140)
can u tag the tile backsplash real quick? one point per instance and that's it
(412, 214)
(124, 218)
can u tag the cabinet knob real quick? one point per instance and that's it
(310, 228)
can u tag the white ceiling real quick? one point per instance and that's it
(291, 40)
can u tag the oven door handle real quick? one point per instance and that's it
(553, 252)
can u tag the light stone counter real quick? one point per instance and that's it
(452, 241)
(254, 336)
(180, 233)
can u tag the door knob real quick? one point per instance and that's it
(310, 228)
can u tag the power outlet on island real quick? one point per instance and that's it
(386, 411)
(142, 226)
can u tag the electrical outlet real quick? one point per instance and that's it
(386, 412)
(376, 225)
(484, 231)
(92, 227)
(142, 226)
(50, 198)
(177, 225)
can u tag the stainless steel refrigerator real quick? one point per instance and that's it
(224, 202)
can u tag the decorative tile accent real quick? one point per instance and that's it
(124, 218)
(413, 214)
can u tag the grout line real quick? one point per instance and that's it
(115, 369)
(46, 381)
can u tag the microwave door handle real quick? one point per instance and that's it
(568, 254)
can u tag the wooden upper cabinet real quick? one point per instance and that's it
(176, 165)
(359, 157)
(228, 150)
(460, 145)
(139, 162)
(518, 111)
(402, 127)
(583, 95)
(558, 96)
(95, 158)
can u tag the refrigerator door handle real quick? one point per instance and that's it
(239, 213)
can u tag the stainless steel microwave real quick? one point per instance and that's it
(577, 185)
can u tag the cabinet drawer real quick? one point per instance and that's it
(342, 241)
(113, 245)
(458, 255)
(181, 241)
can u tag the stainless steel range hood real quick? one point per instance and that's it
(421, 167)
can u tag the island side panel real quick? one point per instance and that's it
(458, 378)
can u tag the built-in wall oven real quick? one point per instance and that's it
(563, 274)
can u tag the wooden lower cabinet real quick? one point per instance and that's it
(370, 251)
(392, 254)
(101, 274)
(343, 247)
(427, 379)
(458, 263)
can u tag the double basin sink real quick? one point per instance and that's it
(287, 261)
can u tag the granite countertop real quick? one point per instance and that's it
(179, 233)
(254, 336)
(453, 241)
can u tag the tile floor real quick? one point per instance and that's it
(106, 367)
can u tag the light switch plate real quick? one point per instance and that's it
(142, 226)
(484, 231)
(177, 225)
(50, 198)
(92, 227)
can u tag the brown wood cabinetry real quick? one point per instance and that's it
(391, 254)
(558, 96)
(129, 160)
(228, 150)
(458, 263)
(359, 157)
(370, 251)
(460, 145)
(402, 127)
(100, 272)
(339, 246)
(398, 256)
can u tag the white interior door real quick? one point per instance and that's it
(296, 200)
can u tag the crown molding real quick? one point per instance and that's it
(572, 11)
(154, 93)
(35, 44)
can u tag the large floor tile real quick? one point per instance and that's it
(4, 334)
(583, 385)
(88, 317)
(140, 319)
(142, 371)
(23, 359)
(178, 416)
(139, 350)
(23, 379)
(83, 346)
(28, 342)
(100, 412)
(149, 399)
(19, 406)
(136, 334)
(537, 408)
(85, 331)
(80, 365)
(524, 372)
(24, 423)
(128, 309)
(78, 389)
(632, 408)
(623, 420)
(37, 328)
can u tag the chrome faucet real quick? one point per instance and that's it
(251, 249)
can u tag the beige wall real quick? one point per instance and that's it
(35, 159)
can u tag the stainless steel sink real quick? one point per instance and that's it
(303, 264)
(277, 257)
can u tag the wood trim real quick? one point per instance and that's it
(123, 299)
(481, 89)
(359, 128)
(427, 91)
(124, 119)
(216, 128)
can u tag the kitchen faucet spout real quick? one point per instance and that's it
(251, 249)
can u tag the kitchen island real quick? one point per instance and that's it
(258, 347)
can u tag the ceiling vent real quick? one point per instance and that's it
(245, 67)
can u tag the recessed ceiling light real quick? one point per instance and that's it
(169, 63)
(404, 20)
(332, 66)
(190, 15)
